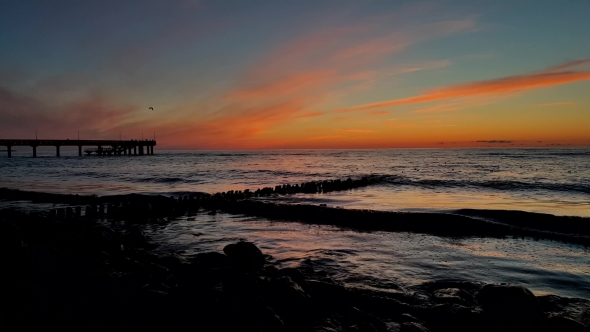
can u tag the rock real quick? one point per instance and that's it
(453, 317)
(211, 260)
(288, 293)
(333, 294)
(171, 261)
(103, 238)
(245, 255)
(240, 285)
(293, 305)
(135, 237)
(270, 321)
(452, 295)
(556, 323)
(405, 317)
(393, 327)
(323, 329)
(157, 272)
(355, 316)
(510, 308)
(362, 327)
(413, 327)
(296, 276)
(572, 308)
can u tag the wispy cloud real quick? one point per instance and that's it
(356, 131)
(377, 113)
(293, 82)
(440, 108)
(563, 103)
(324, 137)
(499, 86)
(495, 141)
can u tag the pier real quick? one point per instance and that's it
(99, 147)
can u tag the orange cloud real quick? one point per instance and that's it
(292, 83)
(377, 113)
(440, 108)
(567, 65)
(324, 137)
(503, 85)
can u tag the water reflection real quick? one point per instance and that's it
(384, 260)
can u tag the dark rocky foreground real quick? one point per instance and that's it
(63, 271)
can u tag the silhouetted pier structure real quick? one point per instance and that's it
(103, 147)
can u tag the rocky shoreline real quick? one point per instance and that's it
(71, 272)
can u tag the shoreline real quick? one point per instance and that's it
(65, 272)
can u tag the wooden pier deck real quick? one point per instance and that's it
(103, 147)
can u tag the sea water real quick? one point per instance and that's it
(553, 181)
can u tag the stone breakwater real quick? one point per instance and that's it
(76, 273)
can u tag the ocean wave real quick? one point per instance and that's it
(491, 184)
(164, 180)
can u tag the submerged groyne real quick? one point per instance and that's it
(135, 208)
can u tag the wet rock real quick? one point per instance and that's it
(211, 260)
(558, 323)
(413, 327)
(453, 317)
(392, 308)
(287, 293)
(171, 261)
(452, 295)
(362, 327)
(510, 308)
(158, 272)
(135, 237)
(323, 329)
(103, 238)
(354, 316)
(291, 302)
(330, 293)
(240, 285)
(393, 327)
(296, 276)
(405, 317)
(268, 320)
(572, 308)
(245, 255)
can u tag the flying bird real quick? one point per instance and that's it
(152, 108)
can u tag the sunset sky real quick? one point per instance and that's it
(298, 74)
